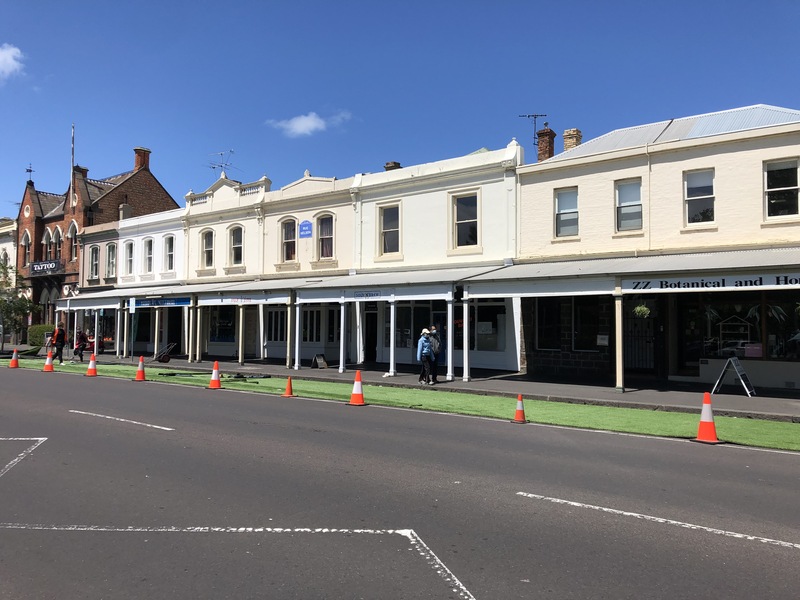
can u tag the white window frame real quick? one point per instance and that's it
(693, 195)
(788, 164)
(312, 325)
(461, 221)
(323, 237)
(129, 258)
(207, 249)
(94, 262)
(72, 234)
(627, 204)
(288, 245)
(384, 231)
(169, 253)
(111, 261)
(26, 249)
(566, 210)
(57, 239)
(147, 255)
(234, 246)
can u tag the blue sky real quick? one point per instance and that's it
(340, 88)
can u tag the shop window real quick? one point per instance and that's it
(548, 323)
(585, 322)
(223, 319)
(333, 325)
(312, 325)
(276, 325)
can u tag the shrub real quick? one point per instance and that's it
(36, 334)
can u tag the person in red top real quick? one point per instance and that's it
(81, 341)
(58, 340)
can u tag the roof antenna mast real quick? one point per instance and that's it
(535, 129)
(223, 163)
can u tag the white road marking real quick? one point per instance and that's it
(80, 412)
(9, 466)
(663, 521)
(416, 542)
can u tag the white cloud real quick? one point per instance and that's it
(304, 125)
(10, 61)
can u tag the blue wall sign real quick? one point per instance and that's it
(306, 230)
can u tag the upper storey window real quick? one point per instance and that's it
(466, 221)
(781, 188)
(390, 229)
(629, 205)
(289, 240)
(699, 193)
(566, 212)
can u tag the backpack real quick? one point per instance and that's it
(435, 345)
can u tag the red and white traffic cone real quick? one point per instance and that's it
(140, 370)
(707, 432)
(214, 384)
(357, 397)
(48, 363)
(14, 364)
(519, 416)
(92, 370)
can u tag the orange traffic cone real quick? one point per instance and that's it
(14, 364)
(140, 370)
(92, 370)
(288, 393)
(357, 397)
(48, 364)
(519, 416)
(214, 384)
(707, 432)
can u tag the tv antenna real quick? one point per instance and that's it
(29, 170)
(224, 163)
(535, 129)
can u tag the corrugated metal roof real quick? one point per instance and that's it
(770, 258)
(685, 128)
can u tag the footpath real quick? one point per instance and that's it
(732, 400)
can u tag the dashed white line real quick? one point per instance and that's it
(9, 466)
(663, 521)
(80, 412)
(421, 547)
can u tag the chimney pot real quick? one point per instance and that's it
(546, 144)
(142, 160)
(572, 138)
(391, 165)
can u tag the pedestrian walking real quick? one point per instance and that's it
(58, 340)
(81, 341)
(436, 352)
(424, 356)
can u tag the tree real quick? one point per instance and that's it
(14, 303)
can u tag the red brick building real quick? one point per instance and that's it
(49, 226)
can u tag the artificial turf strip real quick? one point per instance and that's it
(750, 432)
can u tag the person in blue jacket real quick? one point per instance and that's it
(425, 356)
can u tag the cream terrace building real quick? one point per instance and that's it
(663, 250)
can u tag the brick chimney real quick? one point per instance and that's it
(572, 138)
(82, 170)
(142, 160)
(546, 139)
(391, 165)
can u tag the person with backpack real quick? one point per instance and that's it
(436, 348)
(81, 341)
(424, 355)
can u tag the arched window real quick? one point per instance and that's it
(57, 244)
(169, 253)
(47, 242)
(111, 261)
(148, 256)
(237, 247)
(325, 237)
(4, 258)
(72, 234)
(128, 258)
(94, 262)
(207, 244)
(26, 249)
(289, 240)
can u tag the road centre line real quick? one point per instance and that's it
(8, 467)
(663, 521)
(80, 412)
(416, 542)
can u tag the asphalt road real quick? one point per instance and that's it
(122, 489)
